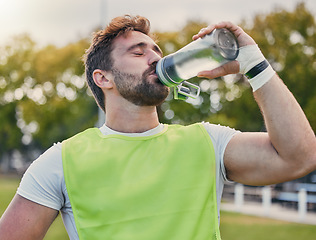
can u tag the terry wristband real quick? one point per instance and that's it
(254, 65)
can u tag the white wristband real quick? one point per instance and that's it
(254, 65)
(262, 78)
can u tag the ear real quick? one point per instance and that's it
(102, 79)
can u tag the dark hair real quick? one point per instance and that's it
(98, 56)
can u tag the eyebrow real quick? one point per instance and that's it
(143, 45)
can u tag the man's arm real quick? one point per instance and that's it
(288, 150)
(25, 220)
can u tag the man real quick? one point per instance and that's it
(135, 178)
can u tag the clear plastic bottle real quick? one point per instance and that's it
(209, 52)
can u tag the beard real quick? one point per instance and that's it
(138, 89)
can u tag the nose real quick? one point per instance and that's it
(154, 57)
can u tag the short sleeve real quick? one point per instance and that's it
(220, 136)
(43, 180)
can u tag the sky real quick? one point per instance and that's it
(60, 22)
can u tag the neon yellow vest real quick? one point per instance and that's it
(159, 187)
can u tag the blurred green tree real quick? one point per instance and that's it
(63, 106)
(43, 98)
(14, 63)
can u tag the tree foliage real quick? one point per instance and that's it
(43, 98)
(288, 41)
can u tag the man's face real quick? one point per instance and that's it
(135, 57)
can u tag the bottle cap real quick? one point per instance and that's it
(227, 43)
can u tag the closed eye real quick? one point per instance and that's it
(139, 49)
(138, 53)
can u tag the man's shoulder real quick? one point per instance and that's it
(79, 137)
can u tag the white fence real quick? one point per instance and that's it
(302, 198)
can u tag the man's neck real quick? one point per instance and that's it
(134, 119)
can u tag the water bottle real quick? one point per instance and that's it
(209, 52)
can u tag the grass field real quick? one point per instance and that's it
(233, 226)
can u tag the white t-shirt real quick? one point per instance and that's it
(44, 182)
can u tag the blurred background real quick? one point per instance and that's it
(44, 98)
(43, 94)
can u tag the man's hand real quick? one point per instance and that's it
(243, 38)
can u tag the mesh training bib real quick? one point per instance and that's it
(142, 188)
